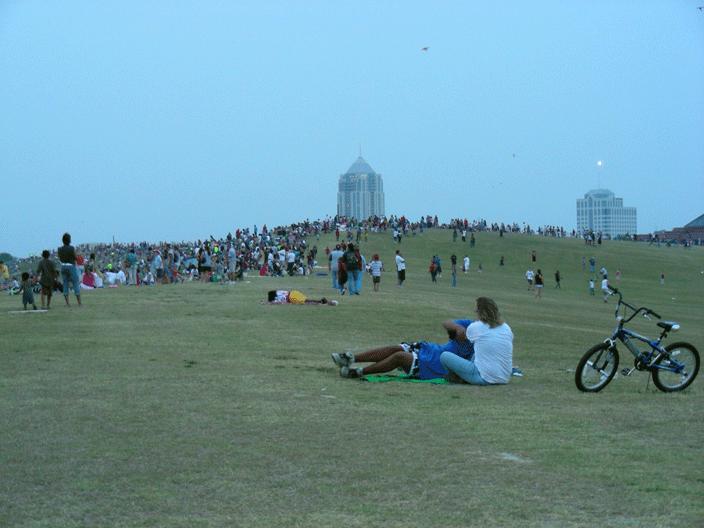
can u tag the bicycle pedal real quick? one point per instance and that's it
(627, 371)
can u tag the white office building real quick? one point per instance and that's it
(601, 211)
(360, 192)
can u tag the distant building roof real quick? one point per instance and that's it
(360, 166)
(599, 194)
(697, 222)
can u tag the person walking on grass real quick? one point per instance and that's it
(400, 267)
(433, 269)
(605, 289)
(539, 283)
(27, 292)
(557, 280)
(334, 256)
(453, 264)
(47, 275)
(69, 273)
(352, 265)
(530, 276)
(375, 268)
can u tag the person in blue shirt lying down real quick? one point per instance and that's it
(418, 359)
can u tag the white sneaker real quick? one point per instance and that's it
(343, 360)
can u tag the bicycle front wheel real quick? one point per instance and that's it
(676, 369)
(597, 368)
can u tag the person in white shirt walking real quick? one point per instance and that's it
(400, 267)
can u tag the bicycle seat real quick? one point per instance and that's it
(669, 326)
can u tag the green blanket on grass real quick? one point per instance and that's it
(385, 377)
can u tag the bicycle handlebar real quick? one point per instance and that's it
(636, 311)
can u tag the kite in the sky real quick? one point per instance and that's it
(425, 48)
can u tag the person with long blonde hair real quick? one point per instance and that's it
(492, 339)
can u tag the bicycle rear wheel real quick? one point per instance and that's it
(597, 368)
(677, 369)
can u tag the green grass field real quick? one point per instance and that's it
(194, 405)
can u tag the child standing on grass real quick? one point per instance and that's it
(47, 275)
(27, 293)
(375, 268)
(591, 286)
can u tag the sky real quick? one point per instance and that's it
(176, 119)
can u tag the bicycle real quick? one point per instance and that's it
(673, 367)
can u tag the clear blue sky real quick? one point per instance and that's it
(163, 120)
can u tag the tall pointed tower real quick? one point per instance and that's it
(360, 192)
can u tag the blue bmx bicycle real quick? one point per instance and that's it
(673, 367)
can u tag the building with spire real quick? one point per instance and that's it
(360, 192)
(600, 211)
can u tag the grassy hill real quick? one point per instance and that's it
(195, 405)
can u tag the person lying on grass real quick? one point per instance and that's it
(294, 297)
(492, 340)
(478, 352)
(419, 359)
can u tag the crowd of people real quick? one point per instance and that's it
(282, 251)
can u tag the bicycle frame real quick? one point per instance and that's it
(644, 360)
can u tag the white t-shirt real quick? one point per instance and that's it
(375, 267)
(605, 285)
(400, 263)
(466, 263)
(529, 275)
(493, 351)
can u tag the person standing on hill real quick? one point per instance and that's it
(352, 265)
(334, 256)
(69, 273)
(400, 267)
(47, 275)
(605, 289)
(529, 278)
(453, 264)
(433, 269)
(131, 261)
(539, 283)
(4, 274)
(362, 267)
(557, 280)
(375, 268)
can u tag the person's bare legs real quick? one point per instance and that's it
(377, 354)
(396, 360)
(385, 359)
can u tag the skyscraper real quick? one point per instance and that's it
(601, 211)
(360, 192)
